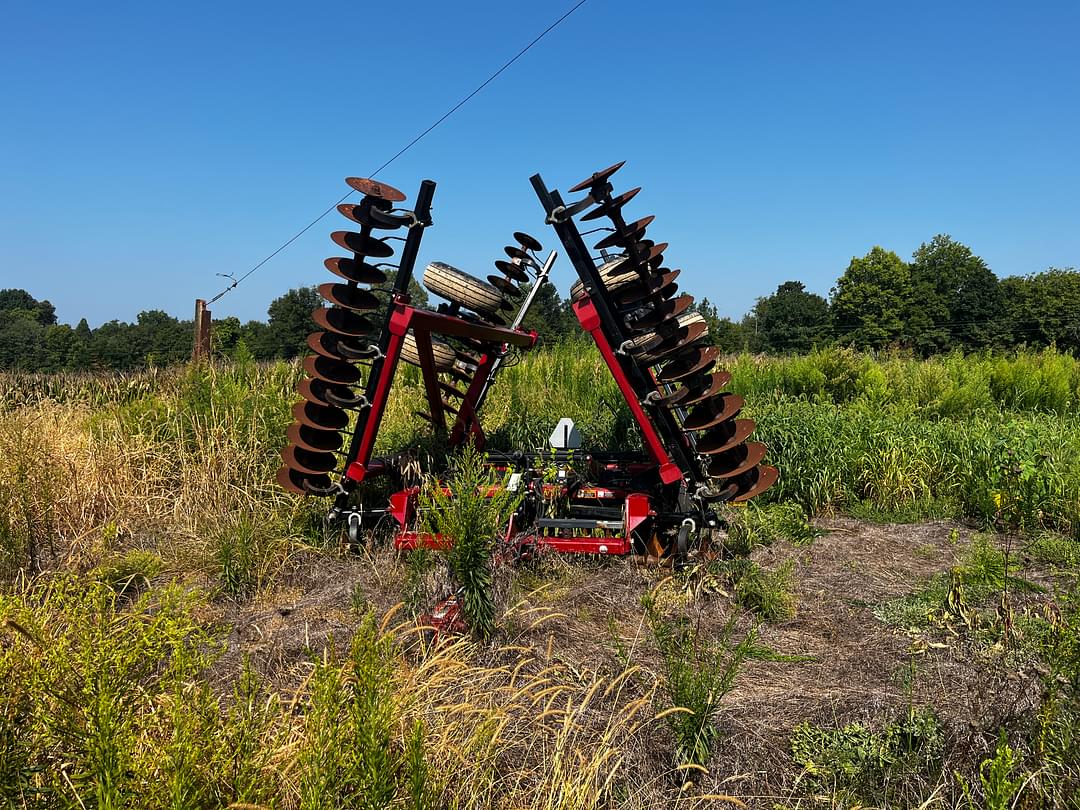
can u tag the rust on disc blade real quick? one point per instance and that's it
(309, 438)
(368, 217)
(693, 361)
(336, 372)
(519, 254)
(319, 416)
(339, 347)
(706, 387)
(612, 205)
(725, 436)
(631, 233)
(362, 245)
(737, 460)
(301, 484)
(662, 312)
(637, 291)
(755, 482)
(528, 242)
(597, 177)
(713, 411)
(373, 188)
(505, 287)
(328, 394)
(648, 253)
(352, 270)
(677, 340)
(342, 322)
(308, 461)
(512, 270)
(695, 390)
(349, 297)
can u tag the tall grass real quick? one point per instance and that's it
(104, 703)
(176, 459)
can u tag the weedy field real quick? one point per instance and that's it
(895, 624)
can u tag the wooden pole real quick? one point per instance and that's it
(201, 349)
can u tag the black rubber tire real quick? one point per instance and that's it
(611, 282)
(684, 321)
(461, 288)
(442, 351)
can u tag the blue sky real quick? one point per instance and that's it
(145, 147)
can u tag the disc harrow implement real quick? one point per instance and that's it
(654, 344)
(698, 452)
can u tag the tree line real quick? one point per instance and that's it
(945, 298)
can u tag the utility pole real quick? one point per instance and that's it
(201, 349)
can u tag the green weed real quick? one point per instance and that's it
(856, 764)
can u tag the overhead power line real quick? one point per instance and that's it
(404, 149)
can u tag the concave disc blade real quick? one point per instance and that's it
(705, 387)
(648, 253)
(342, 322)
(737, 460)
(362, 245)
(369, 217)
(327, 395)
(520, 255)
(300, 483)
(505, 287)
(631, 233)
(655, 286)
(319, 441)
(339, 347)
(691, 362)
(308, 461)
(755, 482)
(528, 242)
(695, 390)
(353, 270)
(373, 188)
(612, 205)
(679, 339)
(514, 271)
(662, 312)
(349, 297)
(713, 411)
(337, 372)
(597, 177)
(319, 416)
(725, 436)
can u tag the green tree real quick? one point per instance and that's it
(21, 341)
(225, 336)
(549, 315)
(290, 322)
(62, 349)
(256, 337)
(723, 332)
(870, 300)
(160, 339)
(1043, 308)
(955, 301)
(418, 296)
(14, 300)
(112, 347)
(791, 319)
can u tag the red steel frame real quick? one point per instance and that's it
(423, 323)
(636, 510)
(589, 319)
